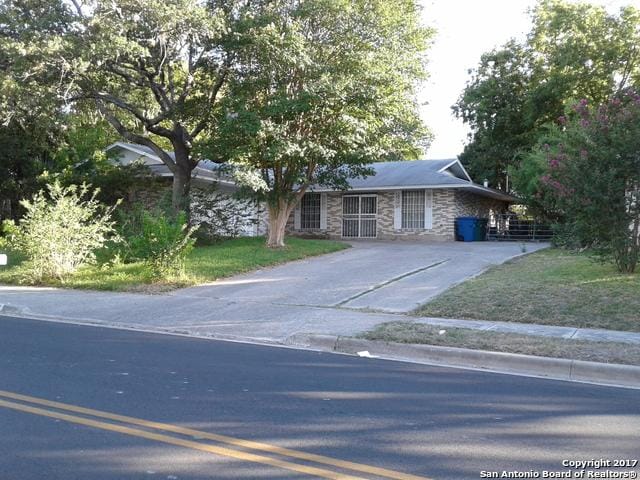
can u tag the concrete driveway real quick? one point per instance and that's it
(343, 293)
(393, 277)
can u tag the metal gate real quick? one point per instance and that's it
(359, 216)
(510, 227)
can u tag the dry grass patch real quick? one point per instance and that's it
(409, 332)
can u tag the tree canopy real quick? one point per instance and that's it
(153, 69)
(327, 86)
(588, 176)
(573, 51)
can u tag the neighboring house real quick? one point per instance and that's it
(406, 199)
(227, 215)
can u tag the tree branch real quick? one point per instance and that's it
(211, 98)
(136, 138)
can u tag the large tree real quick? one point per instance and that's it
(326, 87)
(573, 51)
(154, 69)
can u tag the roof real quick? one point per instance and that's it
(416, 174)
(407, 174)
(206, 170)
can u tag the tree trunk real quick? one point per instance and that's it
(180, 191)
(180, 199)
(278, 216)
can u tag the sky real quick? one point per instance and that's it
(465, 30)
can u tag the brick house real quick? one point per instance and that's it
(227, 215)
(406, 199)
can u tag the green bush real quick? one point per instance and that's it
(61, 231)
(161, 240)
(8, 236)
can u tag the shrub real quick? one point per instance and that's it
(60, 232)
(161, 240)
(220, 215)
(8, 235)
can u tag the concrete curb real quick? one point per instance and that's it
(8, 309)
(545, 367)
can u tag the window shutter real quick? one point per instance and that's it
(428, 209)
(296, 217)
(397, 210)
(323, 211)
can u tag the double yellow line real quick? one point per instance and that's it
(246, 450)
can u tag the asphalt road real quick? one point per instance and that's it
(423, 421)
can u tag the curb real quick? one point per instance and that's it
(8, 309)
(607, 374)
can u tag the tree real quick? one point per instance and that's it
(574, 50)
(154, 70)
(494, 105)
(591, 177)
(28, 149)
(327, 87)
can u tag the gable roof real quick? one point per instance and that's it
(400, 175)
(206, 170)
(418, 174)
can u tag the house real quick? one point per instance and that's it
(417, 199)
(407, 199)
(212, 189)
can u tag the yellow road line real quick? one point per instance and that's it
(249, 444)
(159, 437)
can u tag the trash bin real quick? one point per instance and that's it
(465, 229)
(481, 229)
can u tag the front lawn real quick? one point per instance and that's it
(204, 264)
(550, 287)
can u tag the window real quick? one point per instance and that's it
(310, 211)
(413, 209)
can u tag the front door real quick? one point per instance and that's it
(359, 216)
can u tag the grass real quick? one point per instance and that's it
(605, 352)
(204, 264)
(549, 287)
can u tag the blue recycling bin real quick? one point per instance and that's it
(465, 229)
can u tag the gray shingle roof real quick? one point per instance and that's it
(408, 174)
(206, 169)
(388, 175)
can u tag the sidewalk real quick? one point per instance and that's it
(251, 321)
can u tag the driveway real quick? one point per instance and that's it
(343, 293)
(394, 277)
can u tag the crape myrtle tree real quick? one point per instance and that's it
(589, 175)
(573, 51)
(325, 88)
(154, 69)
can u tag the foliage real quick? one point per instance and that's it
(28, 149)
(574, 50)
(220, 215)
(153, 69)
(592, 177)
(160, 240)
(8, 235)
(61, 231)
(65, 146)
(328, 87)
(114, 182)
